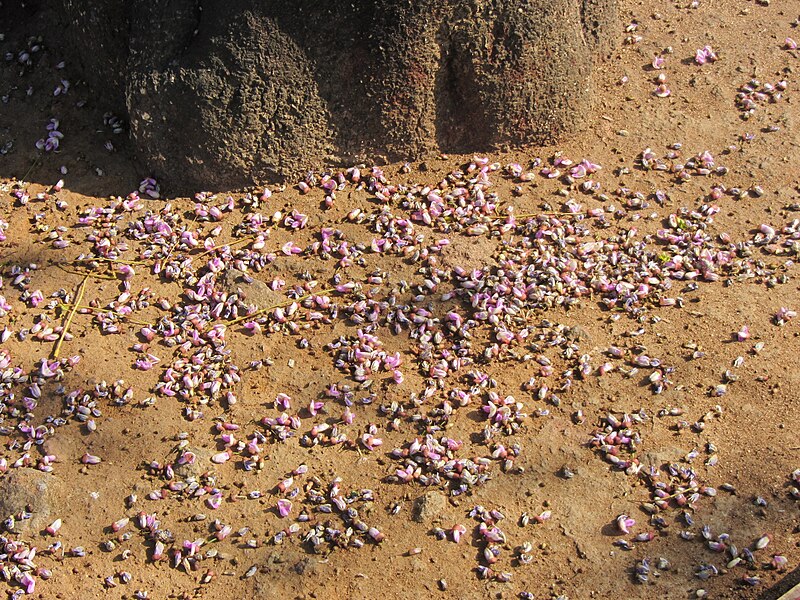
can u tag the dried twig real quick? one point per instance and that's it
(236, 242)
(68, 320)
(261, 311)
(542, 214)
(31, 168)
(94, 310)
(114, 260)
(95, 275)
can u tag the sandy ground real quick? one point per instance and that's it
(746, 438)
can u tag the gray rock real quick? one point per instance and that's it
(255, 292)
(661, 457)
(428, 507)
(576, 333)
(29, 490)
(202, 464)
(306, 566)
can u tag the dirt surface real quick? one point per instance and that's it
(614, 326)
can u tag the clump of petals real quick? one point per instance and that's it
(705, 55)
(284, 507)
(53, 528)
(624, 524)
(90, 459)
(743, 333)
(662, 91)
(784, 315)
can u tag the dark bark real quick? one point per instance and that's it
(228, 93)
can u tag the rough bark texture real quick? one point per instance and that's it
(227, 93)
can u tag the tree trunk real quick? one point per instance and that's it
(230, 93)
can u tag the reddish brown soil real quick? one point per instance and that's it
(756, 435)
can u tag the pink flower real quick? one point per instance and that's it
(392, 361)
(221, 457)
(90, 459)
(283, 401)
(542, 517)
(284, 507)
(143, 364)
(704, 55)
(457, 531)
(624, 523)
(783, 315)
(296, 220)
(126, 271)
(290, 248)
(504, 336)
(49, 368)
(662, 91)
(54, 527)
(743, 333)
(252, 327)
(36, 298)
(406, 474)
(26, 581)
(370, 441)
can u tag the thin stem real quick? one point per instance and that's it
(544, 214)
(114, 260)
(31, 168)
(95, 275)
(95, 310)
(68, 321)
(281, 305)
(233, 243)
